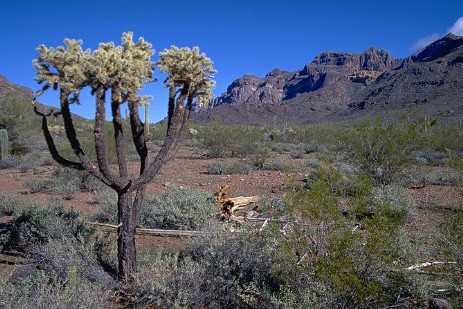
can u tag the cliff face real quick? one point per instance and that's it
(337, 84)
(325, 69)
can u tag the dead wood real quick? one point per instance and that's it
(235, 208)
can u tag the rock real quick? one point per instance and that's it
(437, 303)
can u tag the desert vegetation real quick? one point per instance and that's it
(366, 214)
(350, 230)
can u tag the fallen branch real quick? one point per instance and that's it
(154, 232)
(427, 264)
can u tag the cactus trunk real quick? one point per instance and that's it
(4, 144)
(147, 122)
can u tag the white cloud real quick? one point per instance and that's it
(457, 27)
(423, 42)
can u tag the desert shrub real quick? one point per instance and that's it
(44, 292)
(429, 156)
(395, 197)
(235, 270)
(228, 168)
(274, 206)
(233, 141)
(381, 150)
(450, 231)
(11, 202)
(310, 148)
(63, 258)
(67, 182)
(282, 147)
(259, 156)
(435, 176)
(312, 163)
(36, 184)
(12, 162)
(184, 209)
(35, 224)
(165, 280)
(339, 266)
(297, 153)
(274, 164)
(107, 199)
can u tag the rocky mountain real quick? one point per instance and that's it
(7, 88)
(339, 85)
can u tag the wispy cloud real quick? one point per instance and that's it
(456, 28)
(421, 43)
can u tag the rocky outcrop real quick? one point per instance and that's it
(8, 88)
(250, 89)
(328, 68)
(433, 75)
(444, 49)
(325, 69)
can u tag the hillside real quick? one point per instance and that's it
(343, 86)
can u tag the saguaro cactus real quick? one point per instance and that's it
(4, 144)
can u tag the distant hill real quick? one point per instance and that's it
(339, 86)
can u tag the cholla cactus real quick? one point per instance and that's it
(122, 70)
(4, 144)
(190, 70)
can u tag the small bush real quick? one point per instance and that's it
(221, 167)
(66, 182)
(107, 199)
(10, 203)
(274, 164)
(274, 206)
(44, 292)
(12, 162)
(234, 141)
(445, 176)
(34, 224)
(381, 150)
(395, 197)
(36, 185)
(183, 209)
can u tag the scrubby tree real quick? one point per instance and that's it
(122, 71)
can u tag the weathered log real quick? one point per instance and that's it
(229, 207)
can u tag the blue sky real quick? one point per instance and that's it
(241, 37)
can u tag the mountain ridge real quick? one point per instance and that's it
(336, 85)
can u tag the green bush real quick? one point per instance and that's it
(228, 168)
(10, 203)
(107, 199)
(232, 141)
(45, 292)
(36, 224)
(339, 265)
(183, 209)
(274, 164)
(381, 150)
(36, 185)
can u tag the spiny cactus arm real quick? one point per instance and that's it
(189, 73)
(76, 146)
(118, 133)
(50, 141)
(99, 135)
(138, 134)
